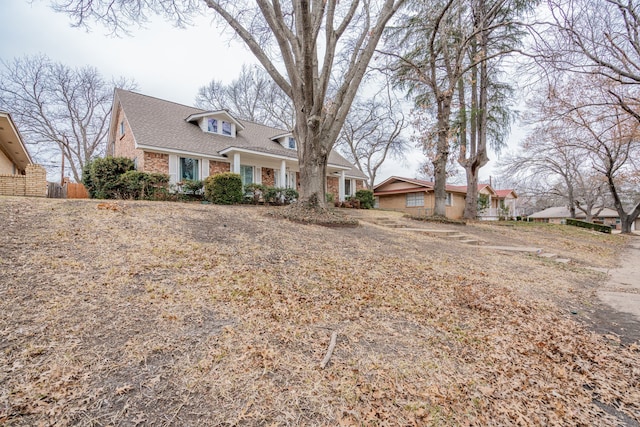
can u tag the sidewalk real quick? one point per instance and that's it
(622, 290)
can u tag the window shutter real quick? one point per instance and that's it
(173, 168)
(258, 173)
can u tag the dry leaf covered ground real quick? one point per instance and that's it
(140, 313)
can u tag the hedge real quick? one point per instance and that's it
(584, 224)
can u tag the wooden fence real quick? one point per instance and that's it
(70, 190)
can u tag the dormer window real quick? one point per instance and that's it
(219, 122)
(212, 125)
(292, 143)
(226, 128)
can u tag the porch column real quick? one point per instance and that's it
(283, 174)
(341, 187)
(236, 163)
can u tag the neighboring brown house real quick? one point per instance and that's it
(18, 175)
(416, 197)
(559, 214)
(189, 143)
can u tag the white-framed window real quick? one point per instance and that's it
(349, 187)
(226, 128)
(122, 128)
(449, 201)
(292, 142)
(415, 199)
(212, 125)
(246, 174)
(188, 169)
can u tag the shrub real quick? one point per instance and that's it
(141, 185)
(366, 198)
(254, 192)
(192, 186)
(101, 176)
(589, 225)
(329, 198)
(280, 196)
(223, 189)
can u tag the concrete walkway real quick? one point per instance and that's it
(622, 290)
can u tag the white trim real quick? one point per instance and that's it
(236, 163)
(282, 135)
(179, 152)
(278, 156)
(173, 168)
(261, 153)
(283, 174)
(341, 195)
(257, 174)
(204, 168)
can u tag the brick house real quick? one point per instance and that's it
(19, 176)
(189, 143)
(417, 197)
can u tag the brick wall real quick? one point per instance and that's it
(333, 187)
(33, 183)
(155, 163)
(125, 144)
(216, 167)
(268, 177)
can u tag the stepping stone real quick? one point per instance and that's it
(548, 255)
(469, 242)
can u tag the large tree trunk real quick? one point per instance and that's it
(471, 201)
(313, 176)
(626, 220)
(442, 155)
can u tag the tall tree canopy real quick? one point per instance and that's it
(316, 51)
(594, 46)
(454, 47)
(59, 109)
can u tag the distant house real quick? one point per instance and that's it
(189, 143)
(558, 215)
(19, 176)
(416, 196)
(503, 204)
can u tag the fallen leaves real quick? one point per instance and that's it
(162, 314)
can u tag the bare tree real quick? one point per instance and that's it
(591, 193)
(304, 46)
(58, 108)
(595, 46)
(252, 96)
(373, 132)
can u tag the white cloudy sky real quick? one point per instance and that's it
(166, 62)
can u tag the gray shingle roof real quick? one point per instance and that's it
(161, 125)
(563, 212)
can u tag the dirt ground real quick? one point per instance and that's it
(143, 313)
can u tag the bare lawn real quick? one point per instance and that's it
(150, 313)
